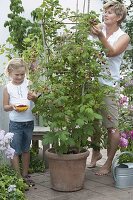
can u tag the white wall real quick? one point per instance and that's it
(30, 5)
(3, 115)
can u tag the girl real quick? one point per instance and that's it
(21, 118)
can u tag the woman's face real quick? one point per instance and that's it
(18, 75)
(110, 17)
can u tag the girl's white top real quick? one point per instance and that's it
(18, 96)
(112, 67)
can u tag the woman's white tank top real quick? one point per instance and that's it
(112, 69)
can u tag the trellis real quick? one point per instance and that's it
(85, 3)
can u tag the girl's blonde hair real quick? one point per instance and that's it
(119, 9)
(14, 64)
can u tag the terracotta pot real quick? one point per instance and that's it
(67, 172)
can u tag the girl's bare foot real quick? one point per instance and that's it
(95, 157)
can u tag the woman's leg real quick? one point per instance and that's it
(113, 145)
(110, 122)
(95, 140)
(96, 155)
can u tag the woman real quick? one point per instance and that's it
(115, 41)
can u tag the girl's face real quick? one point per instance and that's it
(18, 75)
(110, 17)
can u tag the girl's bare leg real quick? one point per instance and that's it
(15, 164)
(25, 168)
(25, 163)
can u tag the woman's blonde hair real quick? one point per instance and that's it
(14, 64)
(119, 9)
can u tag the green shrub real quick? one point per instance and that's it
(11, 186)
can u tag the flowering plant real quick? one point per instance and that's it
(5, 139)
(12, 186)
(126, 122)
(126, 144)
(126, 140)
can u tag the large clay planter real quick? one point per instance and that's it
(67, 172)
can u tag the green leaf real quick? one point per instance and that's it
(97, 116)
(80, 122)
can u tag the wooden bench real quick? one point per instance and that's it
(38, 134)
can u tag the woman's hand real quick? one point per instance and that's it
(97, 31)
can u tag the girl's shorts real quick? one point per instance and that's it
(22, 135)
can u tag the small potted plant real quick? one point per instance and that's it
(122, 166)
(126, 118)
(123, 163)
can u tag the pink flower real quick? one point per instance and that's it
(123, 142)
(123, 100)
(128, 135)
(123, 134)
(131, 135)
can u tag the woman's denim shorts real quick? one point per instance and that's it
(22, 135)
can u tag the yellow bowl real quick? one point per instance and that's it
(21, 108)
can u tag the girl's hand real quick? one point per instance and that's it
(32, 96)
(11, 107)
(15, 108)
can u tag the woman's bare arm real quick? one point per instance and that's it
(119, 47)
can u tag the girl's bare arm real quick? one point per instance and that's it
(7, 107)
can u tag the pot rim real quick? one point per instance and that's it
(76, 156)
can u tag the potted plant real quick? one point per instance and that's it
(65, 65)
(123, 162)
(126, 118)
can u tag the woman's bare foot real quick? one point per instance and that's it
(96, 155)
(104, 170)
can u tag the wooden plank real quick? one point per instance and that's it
(38, 134)
(40, 129)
